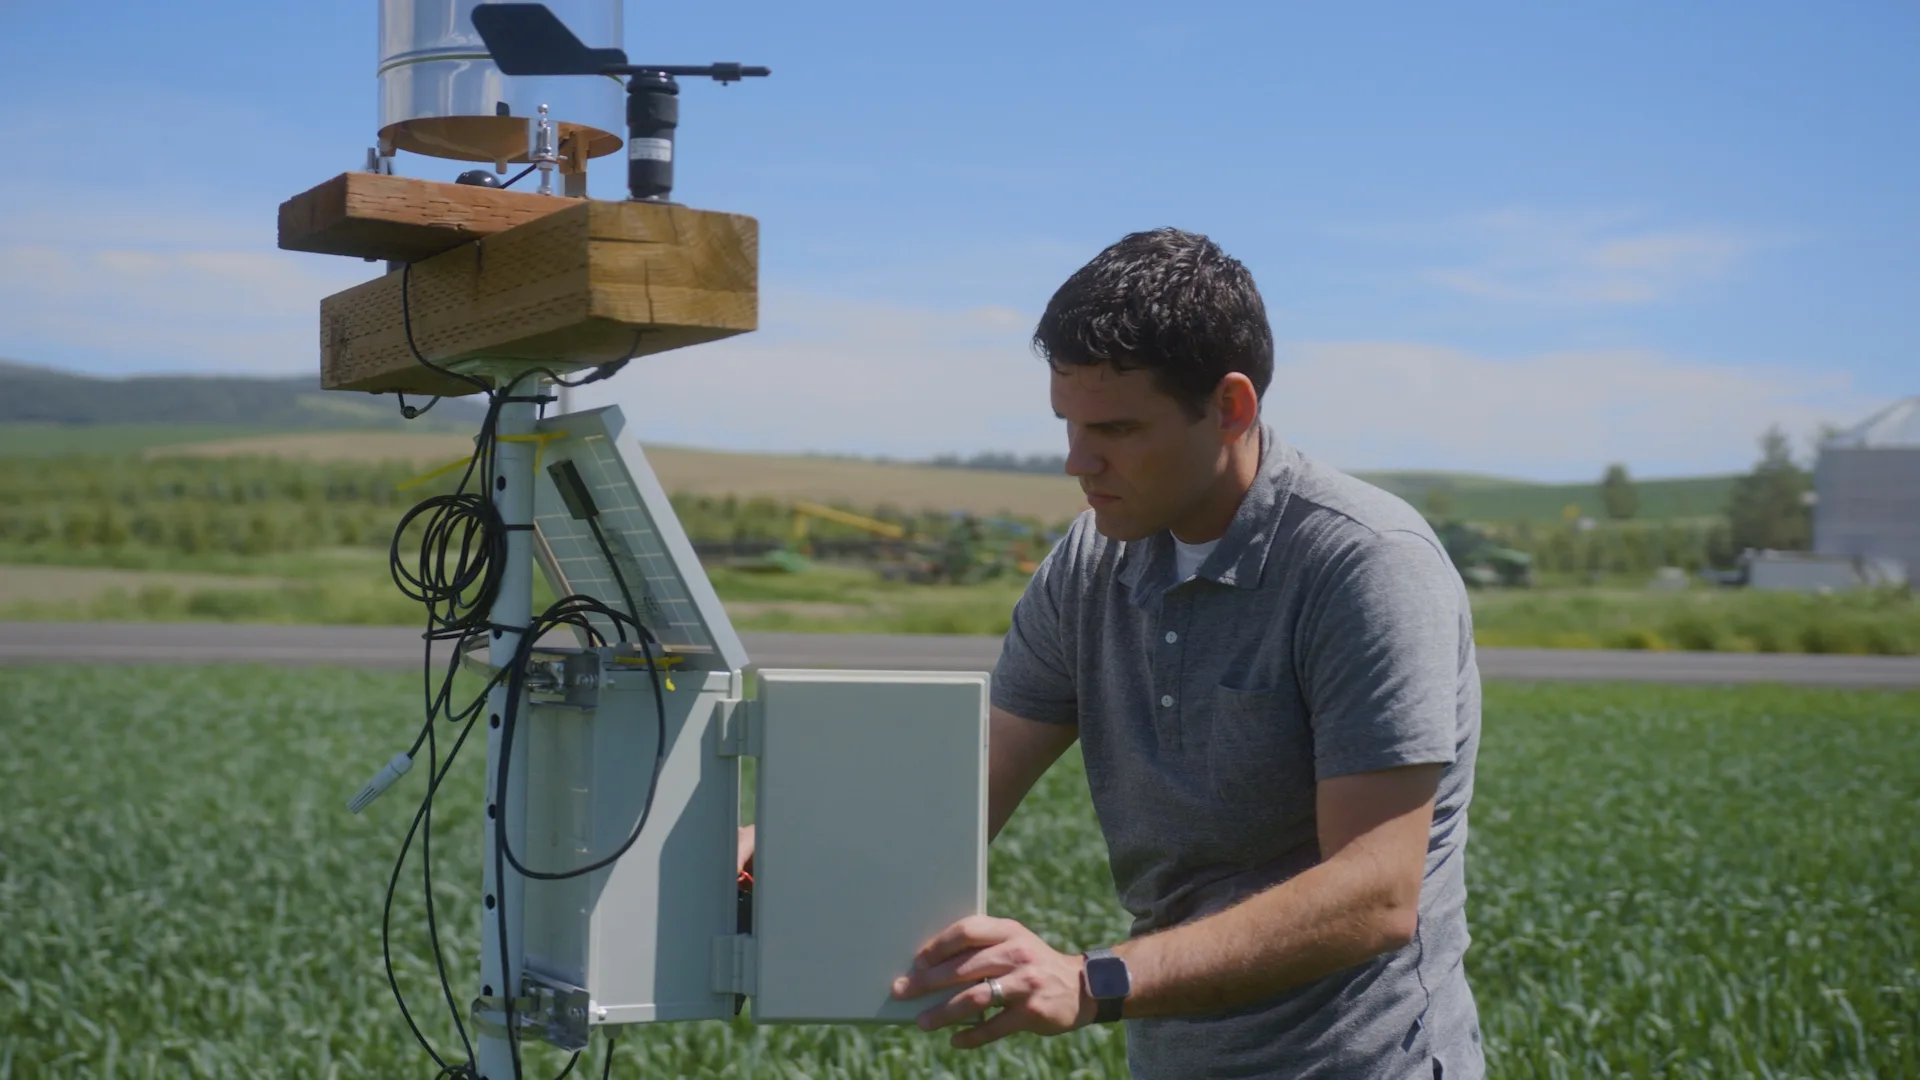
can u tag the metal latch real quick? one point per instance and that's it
(740, 729)
(736, 964)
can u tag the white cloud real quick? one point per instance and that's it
(836, 377)
(89, 286)
(1537, 259)
(1560, 415)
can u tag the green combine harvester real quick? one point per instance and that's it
(1483, 563)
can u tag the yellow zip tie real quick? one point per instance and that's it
(434, 475)
(542, 439)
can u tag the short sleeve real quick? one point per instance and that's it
(1382, 657)
(1032, 679)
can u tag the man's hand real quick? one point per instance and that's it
(1041, 989)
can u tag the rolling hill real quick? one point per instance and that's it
(47, 398)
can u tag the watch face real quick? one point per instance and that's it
(1107, 977)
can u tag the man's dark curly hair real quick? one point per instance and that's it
(1168, 301)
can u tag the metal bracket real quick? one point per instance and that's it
(741, 732)
(549, 1009)
(736, 964)
(562, 1010)
(489, 1014)
(574, 680)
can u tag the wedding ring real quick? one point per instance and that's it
(993, 986)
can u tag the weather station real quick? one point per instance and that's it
(615, 722)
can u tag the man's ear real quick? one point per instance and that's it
(1238, 404)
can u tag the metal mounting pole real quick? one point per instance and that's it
(511, 488)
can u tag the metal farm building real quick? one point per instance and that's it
(1868, 484)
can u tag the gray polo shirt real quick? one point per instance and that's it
(1326, 635)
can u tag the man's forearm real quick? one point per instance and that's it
(1328, 918)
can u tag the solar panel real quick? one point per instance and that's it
(669, 587)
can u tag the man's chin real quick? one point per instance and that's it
(1118, 526)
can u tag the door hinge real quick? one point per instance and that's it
(736, 964)
(739, 727)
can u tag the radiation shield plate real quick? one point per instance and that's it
(590, 451)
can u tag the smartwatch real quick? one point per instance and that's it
(1108, 983)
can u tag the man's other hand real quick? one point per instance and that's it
(743, 858)
(1041, 988)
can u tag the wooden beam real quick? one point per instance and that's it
(590, 283)
(402, 218)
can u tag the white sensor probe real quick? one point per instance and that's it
(381, 781)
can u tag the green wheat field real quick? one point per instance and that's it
(1665, 882)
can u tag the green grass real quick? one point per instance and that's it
(352, 587)
(1700, 620)
(1672, 882)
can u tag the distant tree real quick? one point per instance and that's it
(1439, 503)
(1617, 492)
(1767, 508)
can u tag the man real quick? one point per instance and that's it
(1270, 668)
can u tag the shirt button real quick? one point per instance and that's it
(1172, 637)
(1166, 700)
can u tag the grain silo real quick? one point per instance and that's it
(1868, 480)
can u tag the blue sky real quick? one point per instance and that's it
(1512, 238)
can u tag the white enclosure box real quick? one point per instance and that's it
(635, 936)
(872, 805)
(871, 788)
(873, 835)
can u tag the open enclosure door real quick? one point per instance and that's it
(871, 835)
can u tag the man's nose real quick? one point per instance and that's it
(1082, 461)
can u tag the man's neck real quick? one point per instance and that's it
(1215, 512)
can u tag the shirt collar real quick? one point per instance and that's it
(1241, 558)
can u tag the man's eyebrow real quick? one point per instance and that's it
(1104, 425)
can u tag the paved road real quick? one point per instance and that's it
(398, 647)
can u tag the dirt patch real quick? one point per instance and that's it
(718, 473)
(349, 446)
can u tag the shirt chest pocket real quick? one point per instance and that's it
(1260, 753)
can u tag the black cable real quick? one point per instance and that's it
(426, 884)
(436, 774)
(606, 1069)
(410, 412)
(386, 917)
(406, 323)
(619, 579)
(521, 176)
(510, 721)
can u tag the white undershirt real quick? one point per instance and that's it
(1188, 557)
